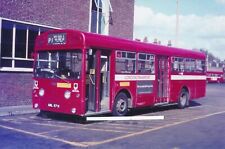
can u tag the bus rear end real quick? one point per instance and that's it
(215, 75)
(58, 73)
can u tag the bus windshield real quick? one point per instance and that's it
(58, 64)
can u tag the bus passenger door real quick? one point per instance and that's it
(163, 80)
(104, 82)
(91, 80)
(97, 81)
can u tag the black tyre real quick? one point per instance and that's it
(120, 107)
(183, 100)
(43, 114)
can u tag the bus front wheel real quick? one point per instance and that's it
(43, 114)
(120, 107)
(183, 99)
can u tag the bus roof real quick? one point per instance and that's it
(90, 40)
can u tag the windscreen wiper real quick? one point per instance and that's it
(53, 73)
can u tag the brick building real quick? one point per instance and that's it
(22, 20)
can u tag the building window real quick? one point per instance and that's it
(100, 16)
(6, 43)
(33, 33)
(17, 44)
(96, 16)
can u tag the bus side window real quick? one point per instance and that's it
(175, 64)
(181, 64)
(146, 64)
(199, 66)
(125, 62)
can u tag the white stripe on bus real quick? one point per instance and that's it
(152, 77)
(134, 77)
(187, 77)
(213, 78)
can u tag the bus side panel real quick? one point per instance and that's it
(137, 100)
(144, 100)
(149, 97)
(176, 87)
(200, 88)
(129, 86)
(196, 89)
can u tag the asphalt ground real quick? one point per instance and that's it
(202, 125)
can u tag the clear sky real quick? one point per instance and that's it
(201, 23)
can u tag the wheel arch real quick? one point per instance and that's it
(185, 88)
(129, 96)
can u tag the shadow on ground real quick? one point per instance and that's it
(132, 112)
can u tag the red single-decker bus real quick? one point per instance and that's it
(83, 73)
(215, 75)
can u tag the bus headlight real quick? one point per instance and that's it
(73, 110)
(67, 94)
(41, 92)
(36, 105)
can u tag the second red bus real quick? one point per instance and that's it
(215, 75)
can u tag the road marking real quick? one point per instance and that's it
(7, 119)
(129, 128)
(85, 128)
(115, 127)
(125, 118)
(55, 130)
(16, 122)
(151, 129)
(23, 119)
(198, 106)
(87, 144)
(77, 144)
(122, 126)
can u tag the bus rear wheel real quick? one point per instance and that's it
(120, 107)
(183, 99)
